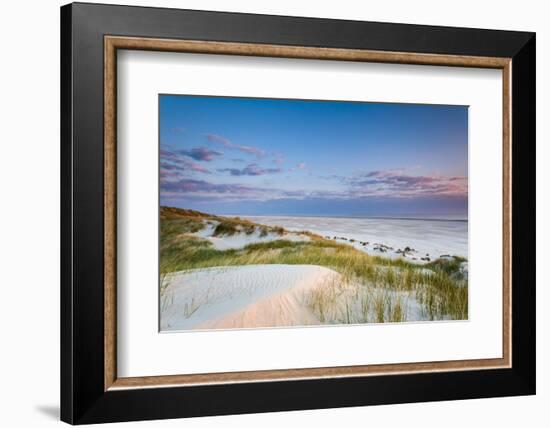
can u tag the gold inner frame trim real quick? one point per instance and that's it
(113, 43)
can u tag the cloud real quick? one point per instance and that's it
(187, 185)
(164, 166)
(387, 172)
(167, 174)
(178, 185)
(279, 159)
(177, 130)
(226, 143)
(193, 189)
(178, 164)
(219, 139)
(300, 167)
(181, 168)
(166, 154)
(200, 153)
(198, 168)
(397, 183)
(334, 177)
(251, 170)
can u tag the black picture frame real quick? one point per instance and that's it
(83, 398)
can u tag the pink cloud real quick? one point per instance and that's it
(279, 159)
(227, 143)
(177, 164)
(397, 183)
(301, 166)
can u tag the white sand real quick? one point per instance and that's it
(241, 239)
(242, 296)
(275, 295)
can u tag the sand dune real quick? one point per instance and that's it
(242, 296)
(240, 240)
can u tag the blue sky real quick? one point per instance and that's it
(298, 157)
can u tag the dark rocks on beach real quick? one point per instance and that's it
(426, 259)
(382, 248)
(407, 251)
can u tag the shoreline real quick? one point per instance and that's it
(416, 240)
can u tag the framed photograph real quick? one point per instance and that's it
(266, 213)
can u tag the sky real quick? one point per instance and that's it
(252, 156)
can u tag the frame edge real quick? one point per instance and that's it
(66, 315)
(524, 216)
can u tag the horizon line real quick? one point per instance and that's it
(381, 217)
(349, 216)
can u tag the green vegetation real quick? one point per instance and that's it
(378, 285)
(225, 228)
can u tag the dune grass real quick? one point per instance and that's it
(436, 286)
(225, 228)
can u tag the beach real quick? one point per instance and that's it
(430, 238)
(228, 272)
